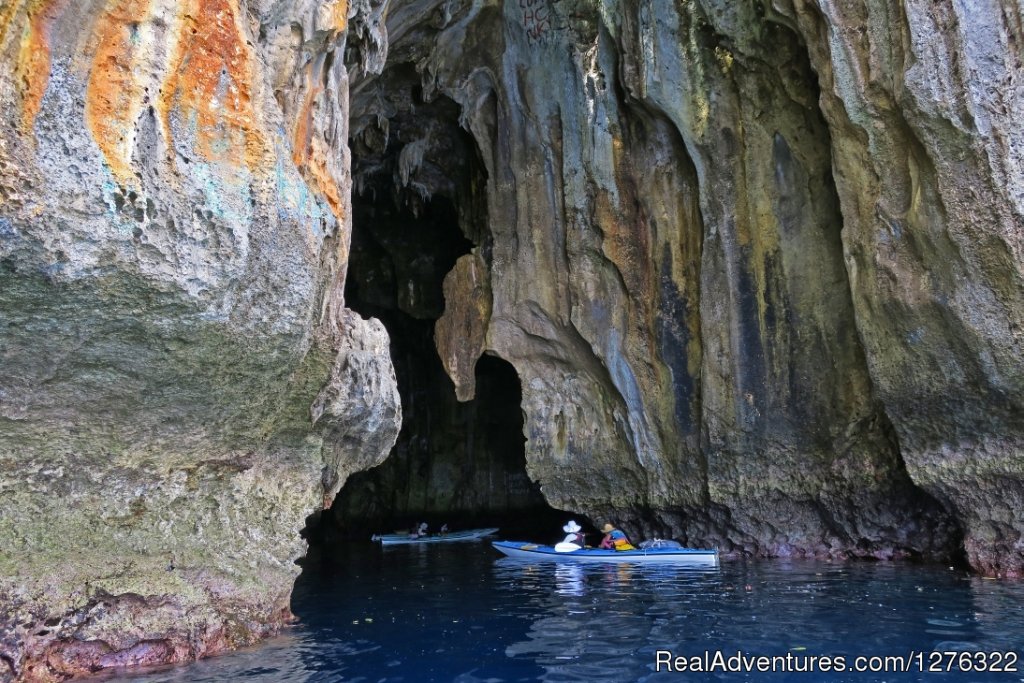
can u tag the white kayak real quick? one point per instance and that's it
(401, 539)
(679, 556)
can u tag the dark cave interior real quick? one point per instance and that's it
(419, 194)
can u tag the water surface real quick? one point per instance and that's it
(460, 612)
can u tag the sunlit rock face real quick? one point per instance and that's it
(180, 383)
(758, 266)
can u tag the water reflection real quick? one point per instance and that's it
(595, 621)
(569, 579)
(458, 614)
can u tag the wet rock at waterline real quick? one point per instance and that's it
(758, 268)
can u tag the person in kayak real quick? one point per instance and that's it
(615, 539)
(574, 538)
(574, 533)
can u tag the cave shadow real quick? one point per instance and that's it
(420, 205)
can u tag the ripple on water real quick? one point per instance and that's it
(462, 614)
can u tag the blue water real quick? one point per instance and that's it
(461, 613)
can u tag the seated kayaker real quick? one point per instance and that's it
(574, 533)
(574, 538)
(614, 539)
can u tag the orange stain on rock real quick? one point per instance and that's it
(9, 11)
(340, 15)
(115, 95)
(317, 171)
(209, 82)
(301, 138)
(309, 154)
(32, 67)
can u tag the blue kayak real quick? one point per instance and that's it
(521, 550)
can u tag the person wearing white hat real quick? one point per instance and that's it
(574, 539)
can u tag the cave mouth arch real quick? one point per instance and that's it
(418, 206)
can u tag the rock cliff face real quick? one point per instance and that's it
(758, 266)
(180, 384)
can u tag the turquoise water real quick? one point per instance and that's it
(462, 613)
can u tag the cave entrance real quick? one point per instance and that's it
(418, 206)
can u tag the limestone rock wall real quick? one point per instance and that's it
(758, 266)
(174, 230)
(923, 101)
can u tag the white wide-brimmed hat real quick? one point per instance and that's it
(572, 527)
